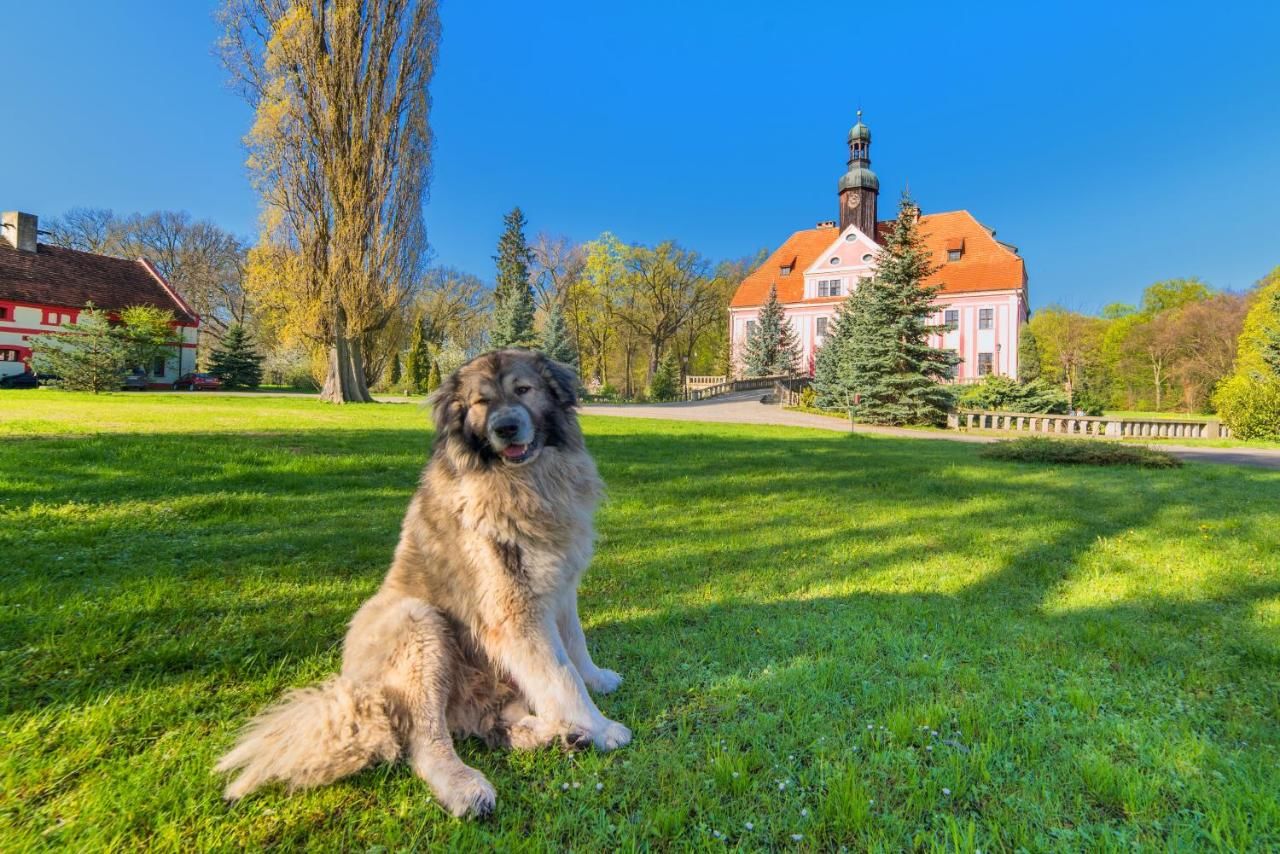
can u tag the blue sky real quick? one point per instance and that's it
(1115, 144)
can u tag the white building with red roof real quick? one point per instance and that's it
(983, 297)
(43, 287)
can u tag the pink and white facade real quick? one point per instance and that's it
(983, 283)
(43, 287)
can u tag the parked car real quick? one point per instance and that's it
(136, 381)
(23, 380)
(198, 382)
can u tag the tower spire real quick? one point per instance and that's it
(859, 188)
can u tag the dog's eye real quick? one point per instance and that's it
(480, 401)
(523, 389)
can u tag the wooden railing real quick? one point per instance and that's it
(694, 382)
(730, 385)
(1100, 426)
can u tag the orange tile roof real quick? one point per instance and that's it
(986, 265)
(800, 250)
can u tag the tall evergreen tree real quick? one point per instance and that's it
(1271, 337)
(832, 381)
(419, 367)
(513, 303)
(666, 380)
(896, 376)
(235, 361)
(88, 355)
(1028, 355)
(772, 348)
(556, 341)
(393, 376)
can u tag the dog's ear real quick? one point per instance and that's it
(446, 406)
(561, 379)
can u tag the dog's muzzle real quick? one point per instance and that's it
(511, 434)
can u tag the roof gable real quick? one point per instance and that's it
(53, 275)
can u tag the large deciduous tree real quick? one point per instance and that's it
(340, 153)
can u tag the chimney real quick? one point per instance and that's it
(19, 230)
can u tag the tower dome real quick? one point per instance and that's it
(859, 188)
(860, 131)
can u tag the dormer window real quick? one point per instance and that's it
(784, 270)
(955, 249)
(954, 254)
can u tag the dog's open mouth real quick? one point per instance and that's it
(516, 453)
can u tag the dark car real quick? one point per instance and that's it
(198, 382)
(24, 380)
(136, 381)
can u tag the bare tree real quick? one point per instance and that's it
(96, 230)
(340, 152)
(668, 287)
(557, 263)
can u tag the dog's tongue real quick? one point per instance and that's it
(514, 451)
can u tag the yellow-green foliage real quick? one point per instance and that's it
(1250, 406)
(1261, 323)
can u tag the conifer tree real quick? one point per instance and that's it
(895, 375)
(556, 341)
(419, 367)
(832, 382)
(88, 355)
(772, 348)
(235, 361)
(433, 376)
(513, 304)
(666, 380)
(1271, 337)
(393, 375)
(1028, 355)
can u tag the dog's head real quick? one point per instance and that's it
(505, 407)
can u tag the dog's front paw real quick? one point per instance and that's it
(602, 681)
(469, 795)
(611, 736)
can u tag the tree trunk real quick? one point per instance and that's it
(344, 382)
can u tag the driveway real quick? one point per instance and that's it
(744, 407)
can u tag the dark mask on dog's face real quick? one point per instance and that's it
(506, 406)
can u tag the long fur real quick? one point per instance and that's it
(475, 629)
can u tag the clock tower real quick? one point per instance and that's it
(859, 187)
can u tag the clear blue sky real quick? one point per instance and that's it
(1114, 145)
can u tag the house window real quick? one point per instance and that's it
(4, 312)
(829, 287)
(986, 317)
(821, 328)
(984, 364)
(56, 318)
(951, 318)
(785, 270)
(8, 355)
(751, 328)
(157, 367)
(954, 370)
(866, 259)
(835, 261)
(954, 254)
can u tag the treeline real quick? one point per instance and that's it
(1168, 353)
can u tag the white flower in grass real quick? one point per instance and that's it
(791, 757)
(599, 787)
(782, 787)
(804, 813)
(870, 726)
(577, 784)
(564, 787)
(946, 791)
(734, 774)
(796, 837)
(929, 747)
(749, 826)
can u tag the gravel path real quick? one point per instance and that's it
(744, 407)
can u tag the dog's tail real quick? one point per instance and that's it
(312, 737)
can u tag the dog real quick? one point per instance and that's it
(475, 629)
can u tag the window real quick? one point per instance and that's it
(954, 370)
(56, 318)
(954, 254)
(851, 237)
(8, 355)
(951, 318)
(828, 287)
(4, 312)
(984, 364)
(835, 261)
(157, 367)
(866, 259)
(751, 328)
(821, 328)
(986, 318)
(785, 270)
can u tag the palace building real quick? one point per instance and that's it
(983, 298)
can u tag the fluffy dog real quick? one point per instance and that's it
(475, 629)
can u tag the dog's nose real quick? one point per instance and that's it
(506, 429)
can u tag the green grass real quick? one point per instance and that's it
(1088, 452)
(881, 643)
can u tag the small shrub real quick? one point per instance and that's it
(808, 398)
(1250, 406)
(666, 380)
(1007, 395)
(1088, 452)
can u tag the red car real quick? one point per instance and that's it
(197, 382)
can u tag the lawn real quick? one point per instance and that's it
(828, 639)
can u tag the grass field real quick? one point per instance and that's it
(828, 639)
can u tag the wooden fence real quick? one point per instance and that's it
(1099, 426)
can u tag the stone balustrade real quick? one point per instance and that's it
(1100, 426)
(695, 382)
